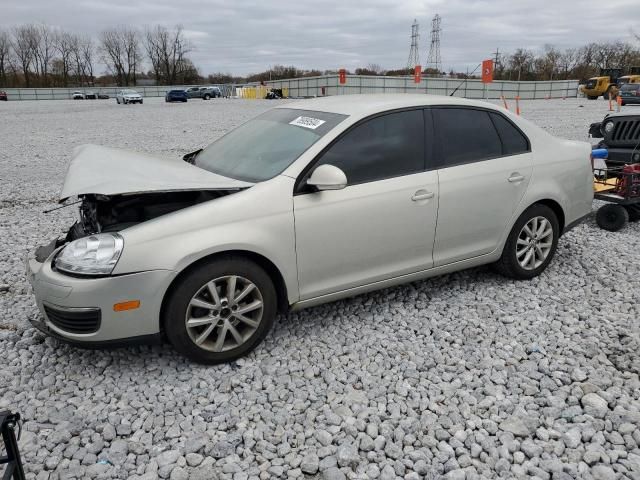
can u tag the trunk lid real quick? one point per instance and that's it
(110, 171)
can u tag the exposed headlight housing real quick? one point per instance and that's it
(608, 127)
(92, 255)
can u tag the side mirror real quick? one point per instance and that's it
(327, 177)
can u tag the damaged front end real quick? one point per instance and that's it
(113, 213)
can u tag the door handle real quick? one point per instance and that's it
(515, 178)
(422, 195)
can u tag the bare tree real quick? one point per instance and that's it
(23, 45)
(120, 48)
(43, 51)
(521, 62)
(65, 42)
(167, 50)
(5, 50)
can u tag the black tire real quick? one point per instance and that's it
(140, 102)
(178, 305)
(206, 96)
(508, 264)
(118, 101)
(612, 217)
(591, 97)
(633, 211)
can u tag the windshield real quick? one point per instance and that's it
(263, 147)
(129, 91)
(630, 87)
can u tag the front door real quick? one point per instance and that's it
(382, 224)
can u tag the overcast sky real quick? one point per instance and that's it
(247, 36)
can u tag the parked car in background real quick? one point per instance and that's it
(630, 94)
(103, 96)
(77, 95)
(3, 96)
(210, 92)
(90, 95)
(127, 96)
(175, 96)
(193, 92)
(307, 203)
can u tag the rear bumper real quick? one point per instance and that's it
(630, 100)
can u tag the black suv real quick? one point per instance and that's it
(620, 133)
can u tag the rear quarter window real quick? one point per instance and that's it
(513, 140)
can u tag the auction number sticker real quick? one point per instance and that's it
(307, 122)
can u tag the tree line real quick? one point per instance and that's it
(37, 55)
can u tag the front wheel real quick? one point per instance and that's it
(206, 97)
(221, 310)
(531, 244)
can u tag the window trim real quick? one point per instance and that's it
(439, 157)
(300, 188)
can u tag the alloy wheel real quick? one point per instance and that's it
(224, 313)
(534, 243)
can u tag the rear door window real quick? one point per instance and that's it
(465, 135)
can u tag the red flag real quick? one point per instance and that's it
(487, 71)
(343, 76)
(417, 74)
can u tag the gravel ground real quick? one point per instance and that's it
(464, 376)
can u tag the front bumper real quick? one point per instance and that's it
(75, 294)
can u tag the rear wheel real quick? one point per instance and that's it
(221, 310)
(612, 217)
(531, 244)
(206, 96)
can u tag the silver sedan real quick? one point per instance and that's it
(305, 204)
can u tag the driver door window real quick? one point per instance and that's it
(387, 146)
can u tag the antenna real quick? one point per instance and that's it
(434, 61)
(414, 55)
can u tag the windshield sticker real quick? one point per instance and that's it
(307, 122)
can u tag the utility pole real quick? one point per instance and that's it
(496, 59)
(434, 61)
(414, 55)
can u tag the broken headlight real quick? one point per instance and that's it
(92, 255)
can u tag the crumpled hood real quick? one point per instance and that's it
(111, 171)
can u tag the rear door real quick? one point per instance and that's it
(485, 165)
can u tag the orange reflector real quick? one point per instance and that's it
(128, 305)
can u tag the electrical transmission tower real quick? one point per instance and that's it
(414, 55)
(434, 61)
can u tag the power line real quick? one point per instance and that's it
(414, 55)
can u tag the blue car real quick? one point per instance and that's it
(175, 96)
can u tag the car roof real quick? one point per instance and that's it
(367, 104)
